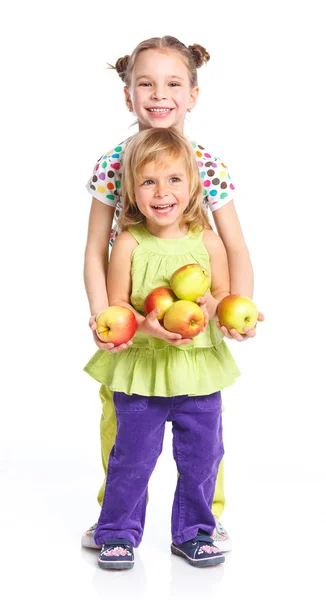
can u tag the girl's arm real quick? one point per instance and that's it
(119, 285)
(96, 262)
(220, 284)
(241, 271)
(229, 229)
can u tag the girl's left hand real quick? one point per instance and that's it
(233, 334)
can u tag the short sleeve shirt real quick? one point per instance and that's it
(105, 182)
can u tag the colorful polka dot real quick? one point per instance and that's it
(111, 174)
(215, 181)
(224, 195)
(194, 145)
(118, 149)
(101, 189)
(115, 155)
(213, 193)
(110, 186)
(110, 197)
(207, 155)
(101, 176)
(210, 172)
(94, 178)
(202, 174)
(222, 174)
(118, 184)
(207, 183)
(200, 163)
(104, 165)
(224, 185)
(116, 166)
(231, 186)
(199, 153)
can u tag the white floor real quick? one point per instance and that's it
(278, 552)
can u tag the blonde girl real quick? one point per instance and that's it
(164, 227)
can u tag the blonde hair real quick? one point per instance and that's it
(161, 146)
(194, 57)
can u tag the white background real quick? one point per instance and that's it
(262, 110)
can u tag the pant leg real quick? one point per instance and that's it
(198, 450)
(138, 444)
(219, 495)
(108, 428)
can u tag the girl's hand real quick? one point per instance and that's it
(151, 326)
(233, 334)
(203, 303)
(102, 345)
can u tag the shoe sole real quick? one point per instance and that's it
(88, 541)
(201, 562)
(120, 566)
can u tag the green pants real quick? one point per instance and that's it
(108, 433)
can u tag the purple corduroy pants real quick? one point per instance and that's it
(197, 450)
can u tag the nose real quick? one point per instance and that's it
(158, 93)
(161, 190)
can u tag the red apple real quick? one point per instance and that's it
(116, 325)
(162, 298)
(190, 282)
(237, 312)
(184, 317)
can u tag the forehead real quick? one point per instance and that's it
(165, 164)
(158, 60)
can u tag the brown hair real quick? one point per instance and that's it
(162, 146)
(194, 57)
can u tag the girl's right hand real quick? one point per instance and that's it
(151, 326)
(102, 345)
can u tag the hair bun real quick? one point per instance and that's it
(121, 66)
(199, 54)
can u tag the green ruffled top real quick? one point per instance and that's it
(152, 367)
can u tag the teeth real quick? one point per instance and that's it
(165, 206)
(159, 110)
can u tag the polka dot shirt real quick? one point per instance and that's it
(105, 182)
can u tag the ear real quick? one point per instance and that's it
(128, 100)
(193, 98)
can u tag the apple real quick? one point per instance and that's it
(184, 317)
(190, 282)
(116, 325)
(162, 298)
(237, 312)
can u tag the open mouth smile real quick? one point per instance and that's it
(163, 209)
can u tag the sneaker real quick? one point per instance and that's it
(221, 538)
(117, 553)
(88, 538)
(199, 552)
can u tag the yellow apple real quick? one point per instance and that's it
(190, 282)
(237, 312)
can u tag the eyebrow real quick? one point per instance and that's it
(168, 77)
(169, 175)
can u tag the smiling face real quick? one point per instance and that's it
(160, 93)
(162, 196)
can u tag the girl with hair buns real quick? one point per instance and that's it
(164, 226)
(160, 87)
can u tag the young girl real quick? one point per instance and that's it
(161, 86)
(164, 227)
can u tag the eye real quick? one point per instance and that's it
(175, 179)
(148, 182)
(144, 84)
(174, 84)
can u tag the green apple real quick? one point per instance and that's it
(237, 312)
(190, 282)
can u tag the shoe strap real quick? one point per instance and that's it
(201, 537)
(117, 542)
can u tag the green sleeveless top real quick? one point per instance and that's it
(152, 367)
